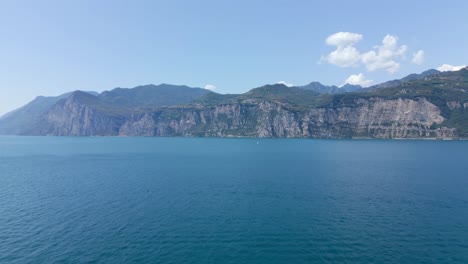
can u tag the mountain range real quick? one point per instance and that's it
(432, 104)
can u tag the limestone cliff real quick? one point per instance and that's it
(375, 117)
(433, 106)
(76, 116)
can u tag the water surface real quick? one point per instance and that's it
(189, 200)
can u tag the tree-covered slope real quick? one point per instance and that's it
(152, 95)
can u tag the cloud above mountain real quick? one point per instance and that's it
(358, 79)
(387, 56)
(448, 67)
(210, 87)
(345, 54)
(285, 83)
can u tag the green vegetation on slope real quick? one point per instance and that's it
(153, 95)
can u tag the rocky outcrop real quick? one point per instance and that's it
(375, 117)
(82, 114)
(75, 116)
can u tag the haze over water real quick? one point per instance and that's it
(202, 200)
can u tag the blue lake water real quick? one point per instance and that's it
(190, 200)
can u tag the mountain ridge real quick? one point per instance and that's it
(410, 77)
(330, 89)
(420, 105)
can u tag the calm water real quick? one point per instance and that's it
(176, 200)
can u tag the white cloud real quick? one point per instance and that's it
(210, 87)
(345, 54)
(448, 67)
(384, 56)
(342, 39)
(418, 57)
(285, 83)
(344, 57)
(358, 79)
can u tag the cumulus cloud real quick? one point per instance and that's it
(358, 79)
(384, 56)
(345, 54)
(448, 67)
(344, 57)
(341, 39)
(285, 83)
(210, 87)
(418, 57)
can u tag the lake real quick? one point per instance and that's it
(207, 200)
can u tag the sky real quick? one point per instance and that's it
(52, 47)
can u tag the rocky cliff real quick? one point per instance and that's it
(375, 117)
(434, 106)
(78, 116)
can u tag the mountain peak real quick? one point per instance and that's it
(351, 87)
(410, 77)
(430, 72)
(321, 88)
(80, 94)
(270, 88)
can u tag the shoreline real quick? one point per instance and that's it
(247, 137)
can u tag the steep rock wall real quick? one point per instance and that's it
(375, 117)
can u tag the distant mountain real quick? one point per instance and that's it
(351, 87)
(325, 89)
(332, 89)
(420, 76)
(423, 105)
(408, 78)
(282, 93)
(152, 95)
(29, 118)
(320, 88)
(13, 122)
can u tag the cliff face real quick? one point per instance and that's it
(434, 106)
(375, 117)
(75, 117)
(379, 118)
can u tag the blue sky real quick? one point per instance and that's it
(51, 47)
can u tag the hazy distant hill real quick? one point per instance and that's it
(152, 95)
(24, 119)
(325, 89)
(29, 119)
(430, 104)
(408, 78)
